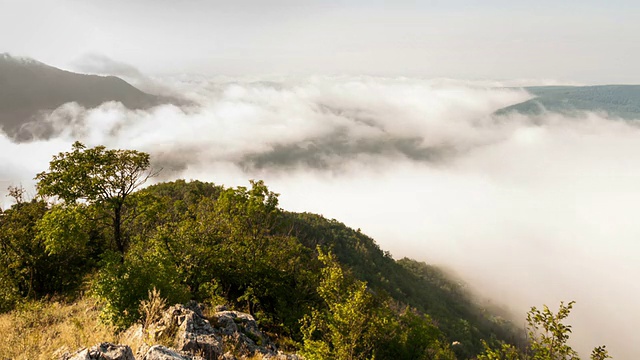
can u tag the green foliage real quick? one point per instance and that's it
(548, 334)
(94, 175)
(122, 285)
(349, 325)
(27, 269)
(98, 176)
(548, 337)
(64, 229)
(600, 353)
(353, 323)
(426, 288)
(22, 257)
(504, 352)
(416, 336)
(226, 245)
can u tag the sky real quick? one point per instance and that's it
(580, 41)
(381, 115)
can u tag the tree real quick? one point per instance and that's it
(548, 337)
(351, 324)
(29, 267)
(23, 260)
(548, 334)
(98, 176)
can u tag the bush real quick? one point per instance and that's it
(123, 283)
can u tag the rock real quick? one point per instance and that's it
(187, 335)
(283, 356)
(193, 333)
(159, 352)
(103, 351)
(240, 331)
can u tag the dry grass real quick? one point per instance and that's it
(152, 308)
(38, 330)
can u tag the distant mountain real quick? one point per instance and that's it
(621, 101)
(29, 87)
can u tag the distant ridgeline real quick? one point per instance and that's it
(618, 101)
(29, 88)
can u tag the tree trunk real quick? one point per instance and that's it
(117, 231)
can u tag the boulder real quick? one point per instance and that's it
(159, 352)
(103, 351)
(193, 332)
(240, 331)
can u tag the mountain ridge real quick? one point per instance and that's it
(618, 101)
(30, 89)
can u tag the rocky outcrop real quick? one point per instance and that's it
(186, 334)
(240, 332)
(103, 351)
(193, 332)
(159, 352)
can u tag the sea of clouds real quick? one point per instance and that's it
(528, 210)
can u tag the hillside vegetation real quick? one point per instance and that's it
(313, 284)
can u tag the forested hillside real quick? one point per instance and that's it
(313, 284)
(620, 101)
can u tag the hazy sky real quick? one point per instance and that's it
(585, 41)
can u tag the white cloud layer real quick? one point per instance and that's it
(529, 210)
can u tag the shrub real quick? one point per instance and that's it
(122, 283)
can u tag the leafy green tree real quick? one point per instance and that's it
(548, 339)
(121, 285)
(548, 334)
(98, 176)
(28, 269)
(65, 229)
(350, 325)
(22, 256)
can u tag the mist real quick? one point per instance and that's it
(528, 210)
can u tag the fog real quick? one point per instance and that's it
(528, 210)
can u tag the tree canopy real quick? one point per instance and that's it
(105, 177)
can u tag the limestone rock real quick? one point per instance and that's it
(188, 335)
(240, 331)
(158, 352)
(103, 351)
(193, 332)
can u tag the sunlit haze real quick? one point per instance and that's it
(351, 110)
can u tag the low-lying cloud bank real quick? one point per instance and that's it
(529, 210)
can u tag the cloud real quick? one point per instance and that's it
(99, 64)
(529, 210)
